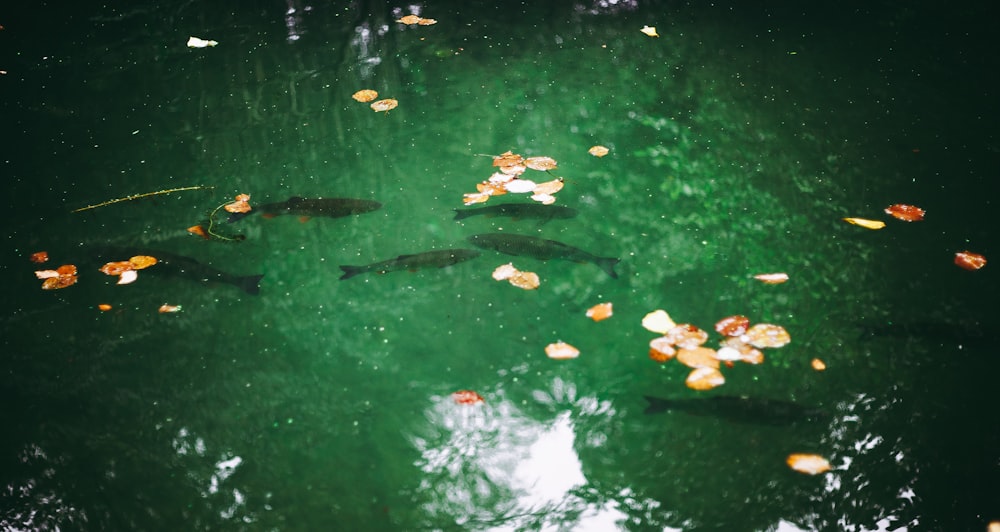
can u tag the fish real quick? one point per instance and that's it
(329, 207)
(737, 408)
(440, 258)
(173, 265)
(541, 249)
(533, 211)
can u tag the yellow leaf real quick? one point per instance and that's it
(649, 30)
(867, 224)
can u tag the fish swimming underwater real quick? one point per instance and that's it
(429, 259)
(329, 207)
(173, 265)
(541, 249)
(741, 409)
(534, 211)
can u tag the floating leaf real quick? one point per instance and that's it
(549, 187)
(39, 257)
(239, 205)
(467, 397)
(195, 42)
(561, 351)
(748, 353)
(475, 197)
(767, 335)
(600, 311)
(166, 309)
(384, 105)
(704, 378)
(687, 336)
(969, 260)
(365, 95)
(426, 22)
(198, 230)
(771, 278)
(732, 325)
(810, 464)
(598, 151)
(140, 262)
(907, 213)
(116, 268)
(525, 280)
(104, 307)
(818, 364)
(540, 163)
(649, 30)
(661, 349)
(128, 277)
(410, 20)
(728, 354)
(504, 272)
(520, 186)
(699, 357)
(544, 199)
(867, 224)
(61, 277)
(658, 321)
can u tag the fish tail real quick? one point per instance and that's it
(461, 214)
(251, 284)
(655, 405)
(351, 271)
(608, 265)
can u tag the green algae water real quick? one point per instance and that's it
(738, 140)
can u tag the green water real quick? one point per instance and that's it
(738, 140)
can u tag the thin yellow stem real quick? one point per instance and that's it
(140, 196)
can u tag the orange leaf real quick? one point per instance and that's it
(704, 378)
(140, 262)
(818, 364)
(365, 95)
(104, 307)
(165, 308)
(198, 230)
(116, 268)
(384, 105)
(240, 205)
(732, 325)
(969, 261)
(699, 357)
(598, 151)
(467, 397)
(561, 351)
(810, 464)
(540, 163)
(600, 311)
(907, 213)
(39, 257)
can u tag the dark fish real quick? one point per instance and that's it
(436, 259)
(541, 249)
(172, 265)
(741, 409)
(329, 207)
(535, 211)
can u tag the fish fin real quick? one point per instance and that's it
(350, 271)
(608, 265)
(251, 284)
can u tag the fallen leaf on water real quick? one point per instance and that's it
(165, 308)
(104, 307)
(704, 378)
(818, 364)
(658, 321)
(525, 280)
(600, 311)
(867, 224)
(61, 277)
(810, 464)
(969, 261)
(993, 526)
(384, 105)
(549, 187)
(195, 42)
(661, 349)
(520, 186)
(116, 268)
(467, 397)
(504, 272)
(240, 204)
(771, 278)
(410, 20)
(698, 357)
(649, 30)
(198, 230)
(686, 336)
(747, 353)
(598, 151)
(732, 325)
(907, 213)
(561, 351)
(767, 335)
(365, 95)
(544, 199)
(39, 257)
(474, 197)
(128, 277)
(540, 163)
(140, 262)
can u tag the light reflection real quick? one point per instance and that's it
(231, 502)
(481, 458)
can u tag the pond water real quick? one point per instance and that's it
(738, 139)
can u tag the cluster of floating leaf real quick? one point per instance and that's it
(367, 95)
(127, 271)
(910, 213)
(526, 280)
(411, 20)
(508, 179)
(742, 343)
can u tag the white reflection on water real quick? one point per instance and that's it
(231, 502)
(493, 468)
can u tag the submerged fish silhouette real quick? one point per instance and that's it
(435, 259)
(173, 265)
(741, 409)
(541, 249)
(534, 211)
(329, 207)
